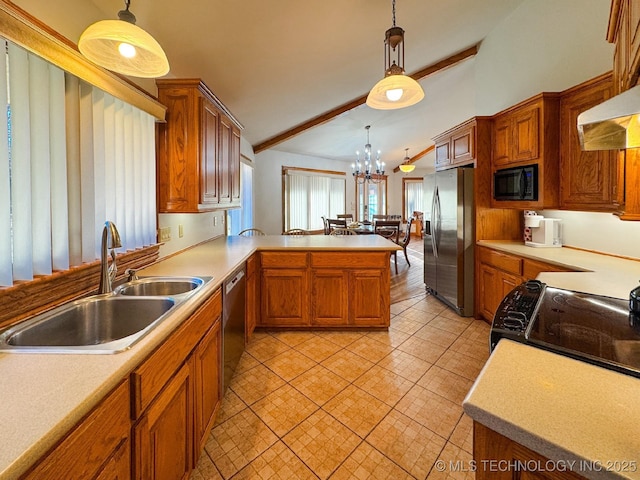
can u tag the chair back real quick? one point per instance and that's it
(342, 231)
(296, 231)
(346, 216)
(407, 235)
(336, 223)
(389, 229)
(251, 232)
(378, 217)
(325, 226)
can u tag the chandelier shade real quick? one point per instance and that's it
(123, 47)
(368, 173)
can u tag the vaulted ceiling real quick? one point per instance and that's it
(278, 64)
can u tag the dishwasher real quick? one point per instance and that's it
(233, 306)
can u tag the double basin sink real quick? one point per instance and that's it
(107, 323)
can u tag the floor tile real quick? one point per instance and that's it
(318, 348)
(205, 469)
(284, 409)
(247, 362)
(461, 364)
(412, 446)
(430, 410)
(370, 349)
(462, 435)
(231, 404)
(446, 384)
(457, 326)
(277, 463)
(368, 463)
(236, 442)
(391, 337)
(473, 348)
(289, 364)
(322, 443)
(319, 384)
(266, 348)
(357, 409)
(417, 315)
(436, 335)
(256, 383)
(406, 325)
(293, 337)
(384, 384)
(347, 365)
(404, 364)
(342, 338)
(423, 349)
(453, 464)
(477, 330)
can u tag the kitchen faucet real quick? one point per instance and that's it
(110, 241)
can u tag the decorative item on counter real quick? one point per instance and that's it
(527, 228)
(545, 232)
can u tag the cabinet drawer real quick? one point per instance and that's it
(283, 259)
(532, 268)
(157, 370)
(82, 453)
(347, 260)
(503, 261)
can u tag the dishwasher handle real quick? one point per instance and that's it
(230, 284)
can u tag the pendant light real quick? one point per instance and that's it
(395, 90)
(123, 47)
(407, 167)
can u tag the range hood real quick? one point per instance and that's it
(613, 124)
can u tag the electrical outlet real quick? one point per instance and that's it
(215, 221)
(165, 234)
(180, 231)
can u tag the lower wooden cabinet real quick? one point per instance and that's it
(164, 433)
(498, 457)
(252, 303)
(285, 297)
(329, 294)
(118, 467)
(368, 301)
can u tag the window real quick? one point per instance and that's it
(242, 218)
(371, 198)
(310, 195)
(412, 199)
(71, 157)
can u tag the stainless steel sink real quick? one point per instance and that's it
(99, 324)
(161, 286)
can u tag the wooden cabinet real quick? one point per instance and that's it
(198, 150)
(497, 457)
(528, 134)
(325, 289)
(588, 180)
(252, 299)
(497, 273)
(456, 146)
(98, 447)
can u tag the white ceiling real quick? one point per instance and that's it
(276, 64)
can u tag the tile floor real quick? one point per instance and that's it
(343, 405)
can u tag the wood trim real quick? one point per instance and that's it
(331, 114)
(417, 156)
(285, 171)
(29, 298)
(614, 16)
(24, 30)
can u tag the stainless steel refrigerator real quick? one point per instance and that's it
(449, 238)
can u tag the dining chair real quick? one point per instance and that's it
(378, 217)
(346, 216)
(389, 229)
(404, 241)
(336, 223)
(342, 231)
(419, 218)
(296, 231)
(251, 232)
(325, 226)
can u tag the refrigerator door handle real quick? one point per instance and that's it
(435, 217)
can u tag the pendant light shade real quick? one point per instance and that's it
(395, 90)
(406, 166)
(123, 47)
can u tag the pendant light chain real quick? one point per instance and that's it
(393, 8)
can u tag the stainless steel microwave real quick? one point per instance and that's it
(518, 183)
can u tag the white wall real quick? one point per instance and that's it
(196, 228)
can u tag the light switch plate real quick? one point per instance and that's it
(165, 234)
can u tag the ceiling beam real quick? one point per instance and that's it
(416, 157)
(325, 117)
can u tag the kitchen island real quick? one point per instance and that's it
(45, 395)
(565, 413)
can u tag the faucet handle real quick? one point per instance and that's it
(132, 274)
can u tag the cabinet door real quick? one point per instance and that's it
(489, 294)
(234, 166)
(365, 285)
(507, 283)
(164, 434)
(119, 465)
(329, 297)
(588, 180)
(207, 383)
(285, 297)
(209, 116)
(443, 153)
(252, 297)
(462, 146)
(224, 159)
(526, 140)
(501, 140)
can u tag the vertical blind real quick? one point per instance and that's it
(71, 157)
(310, 195)
(413, 200)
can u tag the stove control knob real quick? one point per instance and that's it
(514, 321)
(533, 286)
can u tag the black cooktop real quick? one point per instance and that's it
(592, 328)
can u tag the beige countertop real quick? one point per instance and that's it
(563, 408)
(600, 274)
(44, 395)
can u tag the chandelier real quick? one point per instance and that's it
(406, 166)
(368, 175)
(395, 90)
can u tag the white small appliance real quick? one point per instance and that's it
(545, 232)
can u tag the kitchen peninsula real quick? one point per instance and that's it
(45, 395)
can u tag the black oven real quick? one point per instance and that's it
(593, 328)
(518, 183)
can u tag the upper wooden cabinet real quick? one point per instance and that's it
(456, 147)
(198, 150)
(588, 180)
(528, 134)
(624, 31)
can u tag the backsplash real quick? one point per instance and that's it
(187, 229)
